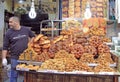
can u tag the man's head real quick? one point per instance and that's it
(14, 23)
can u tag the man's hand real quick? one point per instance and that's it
(4, 62)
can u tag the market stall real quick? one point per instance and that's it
(79, 53)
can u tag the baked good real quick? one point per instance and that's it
(45, 42)
(37, 37)
(36, 45)
(57, 39)
(46, 46)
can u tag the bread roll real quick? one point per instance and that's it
(46, 46)
(37, 49)
(37, 37)
(58, 39)
(36, 45)
(45, 42)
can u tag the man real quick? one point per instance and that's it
(15, 41)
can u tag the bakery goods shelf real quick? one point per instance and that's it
(45, 29)
(53, 26)
(73, 72)
(29, 62)
(95, 64)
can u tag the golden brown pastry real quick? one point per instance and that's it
(45, 42)
(37, 37)
(57, 39)
(36, 45)
(46, 46)
(77, 3)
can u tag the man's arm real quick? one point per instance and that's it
(4, 53)
(6, 43)
(4, 60)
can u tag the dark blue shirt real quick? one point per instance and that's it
(16, 41)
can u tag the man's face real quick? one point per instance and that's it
(12, 23)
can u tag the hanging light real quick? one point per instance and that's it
(32, 13)
(87, 13)
(21, 1)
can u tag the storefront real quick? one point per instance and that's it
(72, 42)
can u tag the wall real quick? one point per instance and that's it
(1, 23)
(8, 5)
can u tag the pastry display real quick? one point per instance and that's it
(76, 8)
(76, 66)
(95, 41)
(87, 58)
(98, 27)
(53, 64)
(103, 48)
(106, 39)
(26, 55)
(103, 67)
(90, 49)
(97, 32)
(64, 54)
(65, 64)
(104, 57)
(72, 23)
(77, 50)
(72, 50)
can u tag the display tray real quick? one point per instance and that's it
(39, 63)
(114, 65)
(74, 72)
(29, 62)
(95, 64)
(45, 29)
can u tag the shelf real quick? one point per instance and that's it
(29, 62)
(50, 29)
(94, 64)
(53, 28)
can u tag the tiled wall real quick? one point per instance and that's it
(1, 22)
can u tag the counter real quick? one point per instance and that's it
(32, 76)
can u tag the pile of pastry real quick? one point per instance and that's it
(65, 62)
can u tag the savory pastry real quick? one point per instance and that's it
(57, 39)
(37, 37)
(45, 42)
(46, 46)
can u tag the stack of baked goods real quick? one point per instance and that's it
(98, 27)
(27, 54)
(83, 6)
(77, 4)
(90, 49)
(100, 7)
(93, 8)
(64, 61)
(65, 4)
(71, 9)
(87, 58)
(103, 48)
(104, 57)
(104, 67)
(95, 41)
